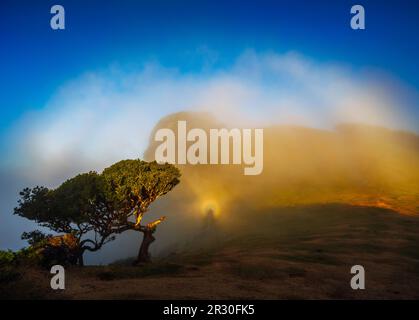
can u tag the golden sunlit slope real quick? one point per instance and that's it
(352, 164)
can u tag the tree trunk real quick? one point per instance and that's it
(143, 254)
(80, 259)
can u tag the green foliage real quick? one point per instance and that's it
(83, 197)
(79, 200)
(7, 258)
(29, 256)
(34, 237)
(96, 204)
(138, 183)
(8, 262)
(42, 253)
(23, 256)
(80, 205)
(34, 204)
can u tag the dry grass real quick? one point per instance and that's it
(306, 254)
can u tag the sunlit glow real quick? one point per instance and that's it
(210, 205)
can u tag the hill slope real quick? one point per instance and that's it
(302, 253)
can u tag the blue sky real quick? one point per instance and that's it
(188, 35)
(85, 97)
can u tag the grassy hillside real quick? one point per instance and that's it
(302, 252)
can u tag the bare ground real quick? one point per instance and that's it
(304, 255)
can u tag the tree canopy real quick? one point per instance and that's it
(95, 207)
(138, 183)
(80, 206)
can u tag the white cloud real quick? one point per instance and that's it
(106, 116)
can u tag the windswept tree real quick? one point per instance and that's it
(84, 207)
(92, 208)
(136, 184)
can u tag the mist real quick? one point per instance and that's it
(351, 164)
(331, 135)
